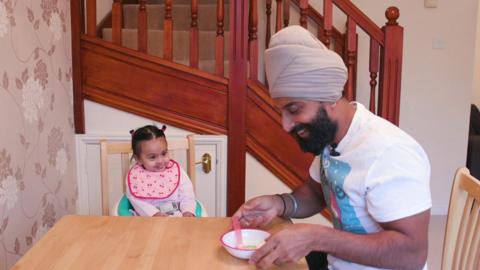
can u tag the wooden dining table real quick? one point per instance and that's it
(107, 242)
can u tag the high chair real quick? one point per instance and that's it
(122, 205)
(462, 235)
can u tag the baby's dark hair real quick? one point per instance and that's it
(145, 133)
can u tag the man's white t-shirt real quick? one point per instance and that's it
(382, 174)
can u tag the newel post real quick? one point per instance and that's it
(237, 104)
(391, 68)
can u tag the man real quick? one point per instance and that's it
(372, 176)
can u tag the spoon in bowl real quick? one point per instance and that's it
(238, 233)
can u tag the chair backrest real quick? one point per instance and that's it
(124, 149)
(462, 235)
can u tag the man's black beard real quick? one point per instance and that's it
(321, 132)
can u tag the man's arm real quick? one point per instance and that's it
(403, 244)
(309, 199)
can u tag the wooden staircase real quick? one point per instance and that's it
(174, 64)
(181, 32)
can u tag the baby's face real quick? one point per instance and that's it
(154, 154)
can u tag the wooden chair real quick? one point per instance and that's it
(462, 235)
(124, 149)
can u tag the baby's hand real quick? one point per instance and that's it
(188, 214)
(160, 214)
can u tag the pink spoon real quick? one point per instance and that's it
(238, 233)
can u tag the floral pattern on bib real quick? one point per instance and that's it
(145, 184)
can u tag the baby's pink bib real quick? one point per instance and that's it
(145, 184)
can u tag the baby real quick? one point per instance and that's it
(156, 184)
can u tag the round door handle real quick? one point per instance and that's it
(206, 163)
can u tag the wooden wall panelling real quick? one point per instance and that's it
(269, 143)
(131, 80)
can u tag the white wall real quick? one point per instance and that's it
(436, 83)
(476, 77)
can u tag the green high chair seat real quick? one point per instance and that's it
(125, 208)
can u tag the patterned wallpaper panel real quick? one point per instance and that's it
(37, 166)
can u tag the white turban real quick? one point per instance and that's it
(298, 65)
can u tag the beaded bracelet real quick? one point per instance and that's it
(284, 205)
(295, 205)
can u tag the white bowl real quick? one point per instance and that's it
(252, 240)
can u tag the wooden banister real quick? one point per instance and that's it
(168, 31)
(336, 38)
(91, 18)
(220, 39)
(194, 38)
(268, 32)
(278, 19)
(253, 40)
(391, 68)
(117, 18)
(373, 68)
(361, 19)
(303, 13)
(351, 58)
(327, 22)
(286, 13)
(142, 26)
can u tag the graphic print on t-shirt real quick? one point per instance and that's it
(344, 216)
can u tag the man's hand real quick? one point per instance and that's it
(259, 211)
(286, 246)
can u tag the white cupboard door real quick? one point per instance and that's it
(205, 186)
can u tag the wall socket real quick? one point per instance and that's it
(430, 3)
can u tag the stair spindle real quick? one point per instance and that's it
(117, 18)
(142, 26)
(168, 31)
(303, 13)
(91, 7)
(220, 40)
(278, 19)
(327, 22)
(286, 13)
(253, 40)
(269, 13)
(194, 38)
(373, 67)
(351, 58)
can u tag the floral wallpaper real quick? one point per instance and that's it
(37, 166)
